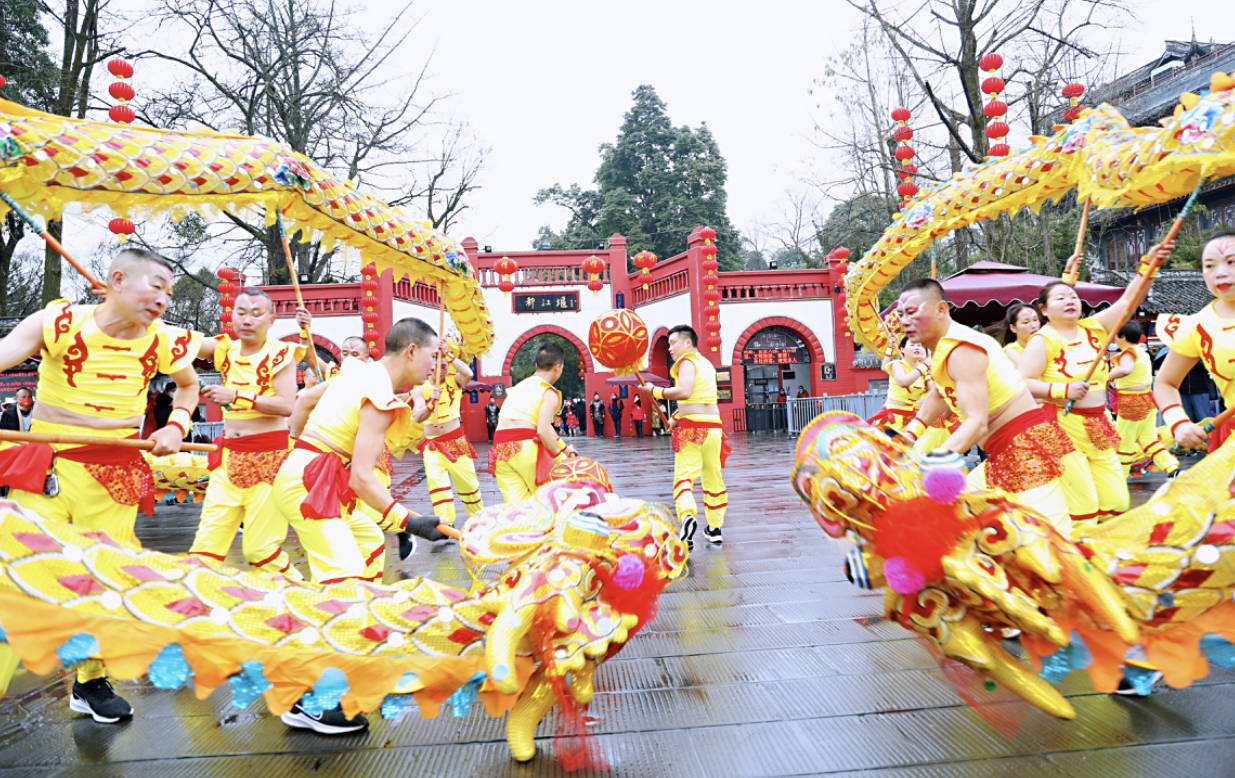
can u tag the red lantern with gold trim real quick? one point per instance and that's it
(122, 228)
(645, 261)
(619, 341)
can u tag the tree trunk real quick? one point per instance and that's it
(14, 231)
(51, 266)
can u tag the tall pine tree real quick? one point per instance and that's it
(655, 184)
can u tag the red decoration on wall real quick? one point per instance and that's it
(368, 308)
(996, 108)
(645, 261)
(711, 290)
(506, 267)
(594, 267)
(904, 152)
(232, 281)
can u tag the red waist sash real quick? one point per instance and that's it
(326, 479)
(696, 431)
(1027, 452)
(509, 442)
(122, 471)
(452, 445)
(275, 440)
(25, 466)
(1097, 424)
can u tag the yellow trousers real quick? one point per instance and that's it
(516, 477)
(700, 461)
(1140, 442)
(932, 439)
(441, 473)
(351, 546)
(1094, 483)
(1048, 499)
(225, 507)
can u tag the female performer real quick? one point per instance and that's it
(907, 386)
(1019, 325)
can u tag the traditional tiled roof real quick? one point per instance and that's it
(1174, 291)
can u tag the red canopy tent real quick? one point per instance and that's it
(986, 283)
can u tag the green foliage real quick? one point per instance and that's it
(856, 224)
(655, 184)
(524, 364)
(25, 63)
(1189, 241)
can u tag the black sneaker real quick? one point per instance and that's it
(1171, 476)
(713, 535)
(328, 722)
(407, 544)
(688, 531)
(98, 699)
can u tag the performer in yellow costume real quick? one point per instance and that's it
(97, 362)
(447, 453)
(525, 444)
(257, 394)
(1054, 366)
(908, 382)
(699, 445)
(1019, 325)
(1136, 416)
(974, 379)
(1209, 335)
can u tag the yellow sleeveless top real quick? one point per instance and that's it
(1003, 382)
(1205, 336)
(89, 372)
(336, 417)
(1014, 348)
(1142, 373)
(523, 401)
(705, 378)
(254, 372)
(1069, 360)
(447, 406)
(905, 396)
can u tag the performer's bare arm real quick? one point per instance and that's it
(279, 404)
(1166, 393)
(306, 401)
(168, 439)
(932, 408)
(206, 349)
(1124, 365)
(1113, 317)
(370, 439)
(422, 408)
(544, 428)
(463, 372)
(685, 383)
(967, 366)
(902, 375)
(1033, 364)
(22, 342)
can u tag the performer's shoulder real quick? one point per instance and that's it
(62, 317)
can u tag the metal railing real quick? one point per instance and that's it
(793, 415)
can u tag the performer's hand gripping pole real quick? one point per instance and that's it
(1142, 284)
(311, 351)
(93, 440)
(653, 402)
(95, 284)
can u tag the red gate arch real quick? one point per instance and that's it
(551, 329)
(801, 330)
(318, 340)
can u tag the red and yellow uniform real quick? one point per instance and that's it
(517, 458)
(1210, 338)
(1136, 416)
(902, 401)
(311, 488)
(242, 473)
(86, 371)
(1090, 429)
(1026, 453)
(699, 448)
(449, 457)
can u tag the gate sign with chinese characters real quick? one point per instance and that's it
(545, 302)
(775, 346)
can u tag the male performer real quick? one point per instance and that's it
(446, 450)
(525, 444)
(1136, 416)
(257, 394)
(975, 379)
(699, 446)
(354, 346)
(97, 362)
(331, 468)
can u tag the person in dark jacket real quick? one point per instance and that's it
(18, 416)
(492, 411)
(616, 406)
(597, 410)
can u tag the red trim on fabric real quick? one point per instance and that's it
(446, 501)
(439, 489)
(375, 554)
(1001, 438)
(208, 555)
(328, 581)
(275, 440)
(270, 559)
(1086, 516)
(716, 494)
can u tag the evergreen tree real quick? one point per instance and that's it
(655, 184)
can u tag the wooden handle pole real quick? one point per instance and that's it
(311, 351)
(439, 374)
(654, 403)
(50, 241)
(1142, 282)
(1073, 270)
(95, 440)
(449, 531)
(1219, 420)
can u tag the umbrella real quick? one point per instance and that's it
(630, 380)
(476, 386)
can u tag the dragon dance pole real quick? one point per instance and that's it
(439, 374)
(95, 440)
(1142, 284)
(291, 269)
(1073, 270)
(653, 402)
(933, 264)
(95, 284)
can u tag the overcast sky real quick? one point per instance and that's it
(544, 83)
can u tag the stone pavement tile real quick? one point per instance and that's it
(1210, 757)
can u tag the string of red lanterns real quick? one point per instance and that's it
(231, 283)
(368, 306)
(838, 259)
(594, 268)
(645, 261)
(711, 291)
(904, 153)
(1073, 92)
(506, 267)
(121, 91)
(997, 128)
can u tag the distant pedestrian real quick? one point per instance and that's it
(492, 412)
(636, 416)
(616, 406)
(597, 410)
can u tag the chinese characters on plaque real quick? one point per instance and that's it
(546, 302)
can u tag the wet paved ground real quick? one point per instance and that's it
(762, 662)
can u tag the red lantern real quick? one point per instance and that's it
(995, 108)
(1073, 90)
(225, 316)
(993, 85)
(594, 266)
(228, 273)
(907, 189)
(900, 114)
(907, 171)
(645, 261)
(227, 288)
(1072, 114)
(709, 263)
(903, 153)
(902, 134)
(2, 82)
(375, 352)
(711, 295)
(122, 228)
(595, 285)
(619, 341)
(840, 253)
(368, 285)
(707, 234)
(711, 310)
(713, 342)
(121, 113)
(1000, 150)
(990, 62)
(369, 317)
(120, 68)
(506, 267)
(506, 285)
(121, 91)
(996, 129)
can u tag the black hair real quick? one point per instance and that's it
(1009, 319)
(549, 355)
(1225, 232)
(405, 332)
(689, 330)
(926, 285)
(26, 388)
(1131, 332)
(253, 291)
(146, 255)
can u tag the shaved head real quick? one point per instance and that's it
(136, 260)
